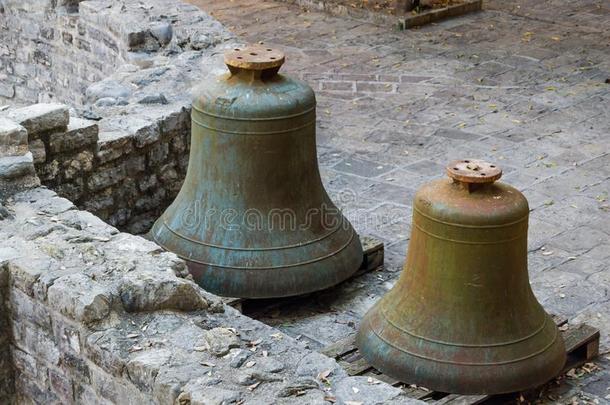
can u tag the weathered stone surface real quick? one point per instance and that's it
(298, 387)
(25, 308)
(41, 118)
(15, 167)
(269, 365)
(239, 357)
(38, 150)
(144, 367)
(314, 363)
(107, 89)
(151, 291)
(218, 341)
(200, 392)
(79, 134)
(250, 377)
(7, 90)
(80, 298)
(13, 138)
(78, 166)
(162, 32)
(153, 99)
(25, 271)
(359, 389)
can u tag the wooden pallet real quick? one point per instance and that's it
(372, 250)
(582, 345)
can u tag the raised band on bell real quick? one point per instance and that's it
(462, 318)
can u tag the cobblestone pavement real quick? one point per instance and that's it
(523, 85)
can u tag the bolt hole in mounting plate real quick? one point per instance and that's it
(254, 57)
(473, 171)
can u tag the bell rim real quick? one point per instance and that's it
(464, 378)
(276, 282)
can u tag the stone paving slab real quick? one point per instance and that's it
(521, 84)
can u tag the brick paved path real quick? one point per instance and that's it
(522, 85)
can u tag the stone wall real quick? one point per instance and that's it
(95, 316)
(48, 50)
(52, 50)
(127, 183)
(123, 153)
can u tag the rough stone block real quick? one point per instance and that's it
(135, 164)
(126, 244)
(199, 394)
(181, 369)
(16, 167)
(7, 90)
(80, 298)
(85, 221)
(24, 362)
(358, 389)
(168, 174)
(218, 341)
(13, 138)
(148, 183)
(151, 202)
(25, 271)
(31, 388)
(108, 350)
(38, 151)
(78, 165)
(33, 340)
(144, 367)
(157, 155)
(75, 366)
(45, 200)
(100, 204)
(314, 363)
(106, 177)
(162, 32)
(67, 336)
(39, 118)
(112, 145)
(157, 98)
(114, 389)
(179, 144)
(49, 172)
(80, 134)
(150, 291)
(61, 386)
(23, 307)
(84, 394)
(107, 89)
(147, 135)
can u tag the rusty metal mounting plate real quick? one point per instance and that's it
(473, 171)
(254, 57)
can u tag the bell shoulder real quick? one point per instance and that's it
(444, 200)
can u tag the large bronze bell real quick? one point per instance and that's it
(252, 218)
(462, 318)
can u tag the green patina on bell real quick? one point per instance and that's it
(252, 218)
(462, 318)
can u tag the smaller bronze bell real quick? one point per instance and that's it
(462, 318)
